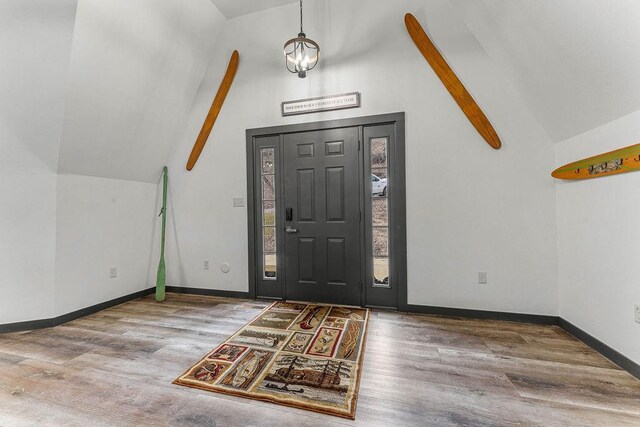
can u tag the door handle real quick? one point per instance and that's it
(291, 230)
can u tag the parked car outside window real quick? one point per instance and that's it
(378, 185)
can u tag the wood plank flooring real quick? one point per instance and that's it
(115, 368)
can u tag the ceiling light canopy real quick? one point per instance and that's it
(301, 53)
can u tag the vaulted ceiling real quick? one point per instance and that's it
(575, 62)
(234, 8)
(35, 44)
(134, 69)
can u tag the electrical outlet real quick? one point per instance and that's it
(638, 313)
(238, 202)
(113, 272)
(206, 265)
(482, 277)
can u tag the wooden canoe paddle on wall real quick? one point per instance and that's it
(161, 278)
(453, 84)
(612, 163)
(216, 106)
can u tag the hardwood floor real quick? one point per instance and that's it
(116, 368)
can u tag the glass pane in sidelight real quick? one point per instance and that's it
(269, 239)
(269, 213)
(380, 241)
(378, 153)
(268, 206)
(267, 155)
(381, 271)
(270, 266)
(379, 182)
(268, 187)
(379, 172)
(380, 211)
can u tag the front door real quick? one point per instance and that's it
(322, 216)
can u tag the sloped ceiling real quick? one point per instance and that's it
(135, 69)
(35, 42)
(575, 62)
(235, 8)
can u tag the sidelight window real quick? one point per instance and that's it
(267, 158)
(380, 211)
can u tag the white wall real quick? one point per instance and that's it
(104, 223)
(94, 88)
(575, 62)
(140, 71)
(469, 208)
(131, 90)
(135, 69)
(599, 241)
(35, 44)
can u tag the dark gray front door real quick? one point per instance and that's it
(322, 216)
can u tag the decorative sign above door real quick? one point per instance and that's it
(321, 103)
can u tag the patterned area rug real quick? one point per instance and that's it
(295, 354)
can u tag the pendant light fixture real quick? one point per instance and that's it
(302, 54)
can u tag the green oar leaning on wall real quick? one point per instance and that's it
(161, 279)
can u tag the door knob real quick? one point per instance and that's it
(291, 230)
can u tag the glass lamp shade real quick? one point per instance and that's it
(302, 55)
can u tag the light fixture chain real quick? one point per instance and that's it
(301, 17)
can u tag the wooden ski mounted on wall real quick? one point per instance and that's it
(612, 163)
(453, 84)
(216, 106)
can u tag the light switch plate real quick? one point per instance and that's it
(482, 277)
(238, 202)
(113, 272)
(637, 311)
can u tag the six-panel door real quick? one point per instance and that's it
(322, 216)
